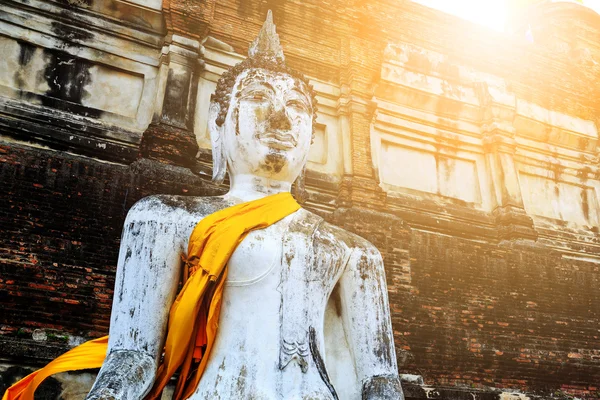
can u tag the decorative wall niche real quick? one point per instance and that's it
(560, 200)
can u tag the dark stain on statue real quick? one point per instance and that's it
(316, 355)
(241, 381)
(274, 162)
(337, 300)
(387, 387)
(134, 230)
(382, 349)
(128, 254)
(191, 204)
(364, 269)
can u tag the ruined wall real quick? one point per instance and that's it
(467, 313)
(469, 158)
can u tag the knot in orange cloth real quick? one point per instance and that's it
(194, 316)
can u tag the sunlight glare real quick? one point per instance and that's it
(491, 13)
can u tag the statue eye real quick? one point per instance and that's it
(298, 105)
(256, 96)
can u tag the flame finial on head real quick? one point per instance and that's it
(267, 42)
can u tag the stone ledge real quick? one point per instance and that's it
(62, 131)
(30, 350)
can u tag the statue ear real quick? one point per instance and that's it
(216, 140)
(299, 189)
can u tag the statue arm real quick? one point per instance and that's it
(148, 272)
(367, 323)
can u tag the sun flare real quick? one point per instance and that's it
(492, 13)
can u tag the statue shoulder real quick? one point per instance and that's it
(168, 207)
(349, 240)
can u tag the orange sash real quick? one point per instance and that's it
(194, 316)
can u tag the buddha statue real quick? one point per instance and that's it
(305, 311)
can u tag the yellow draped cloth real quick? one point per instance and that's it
(194, 316)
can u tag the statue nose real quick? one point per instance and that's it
(280, 120)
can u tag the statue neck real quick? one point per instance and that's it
(246, 187)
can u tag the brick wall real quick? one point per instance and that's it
(470, 313)
(61, 217)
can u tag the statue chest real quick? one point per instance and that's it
(293, 253)
(257, 256)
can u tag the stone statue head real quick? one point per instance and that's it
(261, 114)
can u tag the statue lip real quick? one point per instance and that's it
(278, 140)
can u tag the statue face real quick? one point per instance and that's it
(268, 128)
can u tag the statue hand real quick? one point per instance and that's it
(103, 394)
(385, 387)
(125, 375)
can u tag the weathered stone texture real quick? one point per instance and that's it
(469, 158)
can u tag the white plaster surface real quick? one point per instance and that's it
(327, 154)
(422, 142)
(560, 200)
(154, 4)
(549, 126)
(122, 59)
(27, 75)
(205, 88)
(408, 168)
(557, 119)
(109, 89)
(319, 149)
(114, 91)
(267, 303)
(403, 167)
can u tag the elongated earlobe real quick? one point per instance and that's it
(299, 189)
(216, 140)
